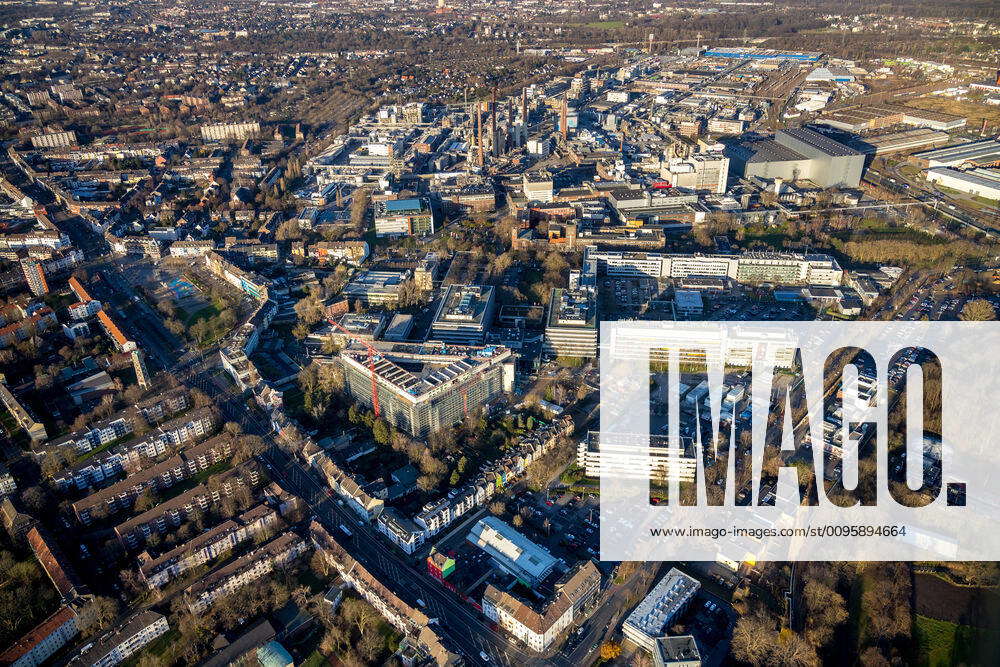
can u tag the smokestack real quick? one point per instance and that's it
(493, 124)
(564, 119)
(479, 132)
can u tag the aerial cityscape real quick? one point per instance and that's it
(300, 322)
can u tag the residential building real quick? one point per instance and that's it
(538, 625)
(155, 478)
(22, 416)
(124, 641)
(34, 275)
(244, 570)
(42, 641)
(157, 572)
(230, 131)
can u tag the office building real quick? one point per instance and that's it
(799, 154)
(424, 388)
(624, 455)
(512, 552)
(755, 266)
(465, 315)
(124, 641)
(537, 186)
(571, 326)
(376, 288)
(404, 217)
(660, 609)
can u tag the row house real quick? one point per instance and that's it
(244, 570)
(157, 572)
(157, 477)
(412, 622)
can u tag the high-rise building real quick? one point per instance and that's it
(423, 388)
(571, 324)
(404, 217)
(139, 364)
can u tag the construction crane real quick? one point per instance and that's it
(372, 354)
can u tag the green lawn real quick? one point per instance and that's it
(194, 480)
(606, 25)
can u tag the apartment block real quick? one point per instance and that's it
(538, 625)
(157, 572)
(155, 478)
(124, 641)
(244, 570)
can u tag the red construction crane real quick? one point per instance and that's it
(372, 353)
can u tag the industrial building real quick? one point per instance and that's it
(404, 217)
(707, 172)
(900, 142)
(571, 328)
(747, 53)
(878, 116)
(977, 182)
(464, 315)
(512, 552)
(423, 388)
(784, 267)
(984, 153)
(664, 604)
(799, 154)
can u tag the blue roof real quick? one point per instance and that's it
(273, 654)
(404, 204)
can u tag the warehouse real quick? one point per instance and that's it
(977, 182)
(799, 154)
(984, 153)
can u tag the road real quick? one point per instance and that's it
(461, 625)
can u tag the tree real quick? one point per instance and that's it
(978, 310)
(97, 615)
(381, 432)
(610, 650)
(497, 507)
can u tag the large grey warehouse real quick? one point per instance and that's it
(798, 154)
